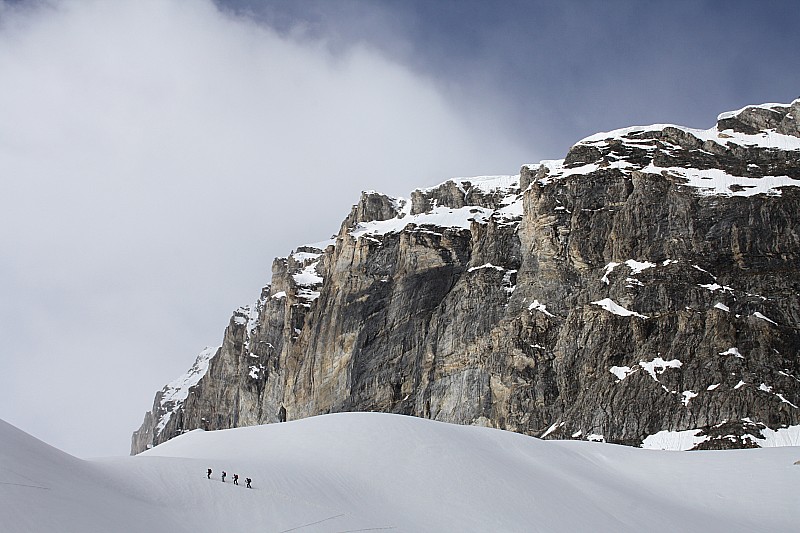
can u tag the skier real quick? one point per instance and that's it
(209, 473)
(248, 480)
(236, 479)
(223, 476)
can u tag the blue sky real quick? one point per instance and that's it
(156, 155)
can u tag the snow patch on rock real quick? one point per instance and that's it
(510, 209)
(717, 182)
(732, 351)
(688, 439)
(687, 396)
(536, 305)
(622, 372)
(612, 307)
(674, 440)
(762, 317)
(658, 366)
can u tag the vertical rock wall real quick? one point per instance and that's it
(648, 282)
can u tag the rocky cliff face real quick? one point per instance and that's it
(643, 290)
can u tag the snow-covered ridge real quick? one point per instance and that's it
(633, 135)
(731, 114)
(485, 184)
(176, 391)
(617, 145)
(763, 139)
(438, 216)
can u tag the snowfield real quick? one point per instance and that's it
(377, 472)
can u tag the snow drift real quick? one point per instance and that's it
(372, 472)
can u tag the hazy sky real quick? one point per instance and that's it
(155, 156)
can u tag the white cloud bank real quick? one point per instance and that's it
(154, 157)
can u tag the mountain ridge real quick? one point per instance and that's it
(646, 283)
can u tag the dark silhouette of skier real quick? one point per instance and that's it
(282, 414)
(248, 480)
(223, 476)
(209, 474)
(236, 479)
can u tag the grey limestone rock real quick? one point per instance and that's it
(649, 282)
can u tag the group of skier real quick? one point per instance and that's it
(235, 478)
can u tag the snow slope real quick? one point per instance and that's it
(43, 489)
(379, 472)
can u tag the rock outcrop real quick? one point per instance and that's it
(645, 286)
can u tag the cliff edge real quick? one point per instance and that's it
(643, 290)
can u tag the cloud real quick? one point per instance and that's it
(155, 156)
